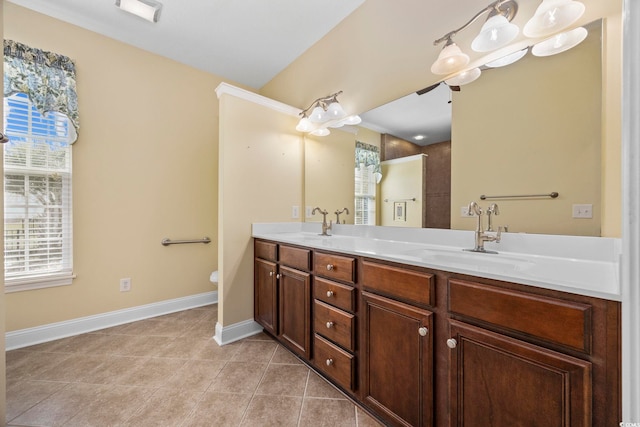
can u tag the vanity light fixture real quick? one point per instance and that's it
(323, 113)
(552, 17)
(464, 77)
(560, 42)
(146, 9)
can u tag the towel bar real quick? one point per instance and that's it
(167, 242)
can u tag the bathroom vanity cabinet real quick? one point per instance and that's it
(423, 347)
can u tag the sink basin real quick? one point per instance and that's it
(469, 260)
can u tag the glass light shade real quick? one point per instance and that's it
(304, 125)
(318, 115)
(335, 111)
(450, 60)
(560, 42)
(553, 16)
(495, 33)
(321, 132)
(507, 59)
(464, 77)
(352, 120)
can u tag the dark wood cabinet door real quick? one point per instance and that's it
(266, 295)
(295, 306)
(498, 381)
(397, 361)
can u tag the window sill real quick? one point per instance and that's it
(31, 283)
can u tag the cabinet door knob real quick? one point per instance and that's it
(271, 273)
(423, 331)
(277, 276)
(452, 343)
(329, 325)
(329, 362)
(330, 294)
(329, 267)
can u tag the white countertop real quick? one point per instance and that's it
(580, 265)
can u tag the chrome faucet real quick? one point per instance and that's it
(338, 212)
(480, 235)
(325, 227)
(491, 210)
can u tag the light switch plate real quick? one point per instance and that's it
(584, 211)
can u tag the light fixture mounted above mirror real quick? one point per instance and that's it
(551, 18)
(323, 113)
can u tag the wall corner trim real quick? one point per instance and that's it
(226, 88)
(237, 331)
(53, 331)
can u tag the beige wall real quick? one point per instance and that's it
(402, 179)
(260, 167)
(329, 174)
(504, 143)
(144, 168)
(373, 68)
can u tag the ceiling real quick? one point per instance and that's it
(245, 41)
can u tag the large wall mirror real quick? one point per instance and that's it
(532, 128)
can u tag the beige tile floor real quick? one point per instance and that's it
(167, 371)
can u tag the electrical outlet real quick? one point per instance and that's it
(464, 211)
(582, 211)
(295, 212)
(308, 210)
(125, 284)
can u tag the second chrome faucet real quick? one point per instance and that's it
(325, 227)
(481, 235)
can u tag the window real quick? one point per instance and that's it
(37, 196)
(367, 176)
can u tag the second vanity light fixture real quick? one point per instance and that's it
(551, 18)
(324, 113)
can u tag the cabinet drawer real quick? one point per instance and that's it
(295, 257)
(335, 267)
(408, 285)
(335, 362)
(342, 296)
(266, 250)
(334, 324)
(557, 321)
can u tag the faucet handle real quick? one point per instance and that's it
(499, 233)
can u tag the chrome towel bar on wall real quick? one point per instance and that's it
(167, 242)
(551, 195)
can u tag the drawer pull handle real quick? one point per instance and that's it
(329, 362)
(330, 267)
(423, 331)
(329, 325)
(330, 294)
(452, 343)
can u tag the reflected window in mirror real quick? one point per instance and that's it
(367, 176)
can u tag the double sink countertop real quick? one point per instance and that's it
(580, 265)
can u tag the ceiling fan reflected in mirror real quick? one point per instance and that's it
(432, 87)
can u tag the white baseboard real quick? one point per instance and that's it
(237, 331)
(54, 331)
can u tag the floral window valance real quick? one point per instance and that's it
(369, 155)
(48, 79)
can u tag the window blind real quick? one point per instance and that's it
(37, 196)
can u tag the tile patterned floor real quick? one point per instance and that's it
(167, 371)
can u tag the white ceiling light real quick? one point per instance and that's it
(464, 77)
(508, 59)
(450, 59)
(553, 16)
(495, 33)
(146, 9)
(560, 42)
